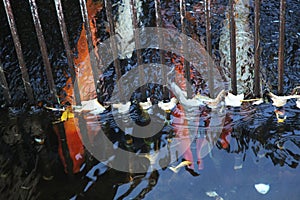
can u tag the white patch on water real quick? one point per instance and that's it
(262, 188)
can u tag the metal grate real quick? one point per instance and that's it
(108, 6)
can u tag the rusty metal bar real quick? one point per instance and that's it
(138, 47)
(108, 9)
(160, 41)
(65, 37)
(14, 33)
(86, 22)
(186, 64)
(232, 29)
(281, 46)
(256, 48)
(4, 85)
(209, 47)
(43, 47)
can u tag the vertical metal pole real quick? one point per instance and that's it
(209, 48)
(108, 9)
(281, 47)
(186, 64)
(138, 47)
(13, 29)
(4, 85)
(65, 37)
(43, 47)
(232, 48)
(256, 48)
(160, 41)
(85, 18)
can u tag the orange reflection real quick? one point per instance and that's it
(82, 61)
(181, 125)
(87, 90)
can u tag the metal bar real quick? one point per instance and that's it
(108, 9)
(186, 64)
(138, 47)
(232, 48)
(13, 29)
(4, 85)
(43, 47)
(209, 48)
(257, 48)
(281, 46)
(85, 18)
(160, 40)
(65, 37)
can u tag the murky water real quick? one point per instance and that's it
(252, 148)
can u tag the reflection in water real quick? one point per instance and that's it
(31, 152)
(41, 160)
(268, 138)
(24, 154)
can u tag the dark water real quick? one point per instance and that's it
(268, 150)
